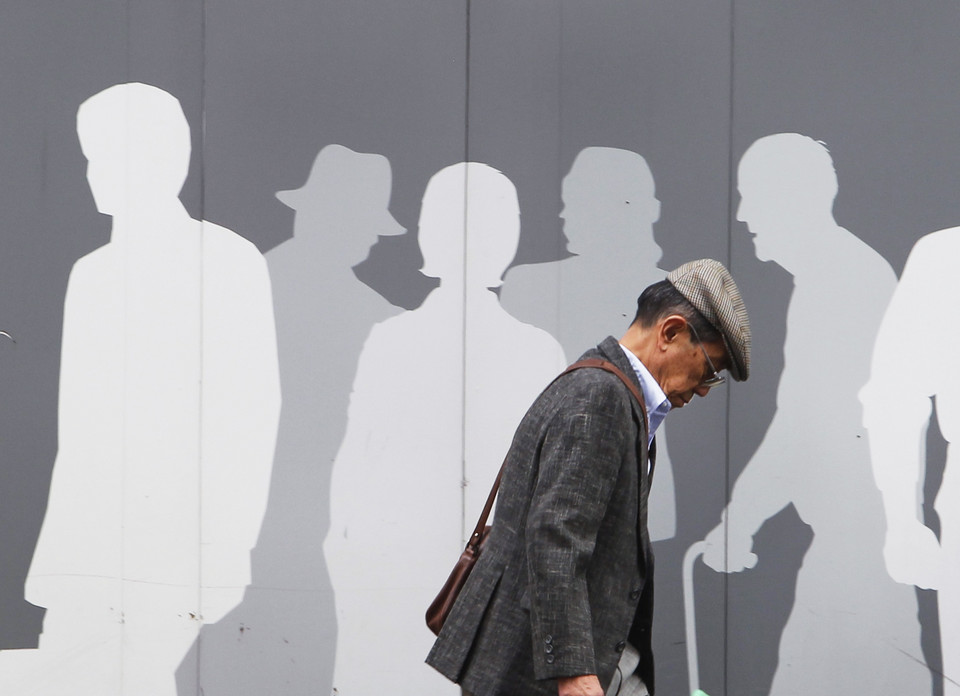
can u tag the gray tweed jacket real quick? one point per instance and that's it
(566, 574)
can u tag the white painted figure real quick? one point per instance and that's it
(323, 314)
(912, 369)
(851, 630)
(610, 207)
(438, 394)
(169, 399)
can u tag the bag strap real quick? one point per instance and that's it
(598, 363)
(610, 367)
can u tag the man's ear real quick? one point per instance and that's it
(671, 328)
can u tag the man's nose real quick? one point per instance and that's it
(701, 391)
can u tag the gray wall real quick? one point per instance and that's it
(523, 87)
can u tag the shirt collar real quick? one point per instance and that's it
(656, 400)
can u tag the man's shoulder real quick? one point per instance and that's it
(610, 351)
(589, 387)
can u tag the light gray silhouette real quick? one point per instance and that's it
(851, 630)
(169, 399)
(913, 365)
(284, 632)
(438, 394)
(609, 210)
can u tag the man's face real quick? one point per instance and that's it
(686, 368)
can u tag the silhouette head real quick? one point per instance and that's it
(137, 144)
(469, 208)
(787, 183)
(345, 201)
(610, 204)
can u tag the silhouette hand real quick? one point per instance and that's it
(913, 555)
(728, 555)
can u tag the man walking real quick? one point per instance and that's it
(563, 595)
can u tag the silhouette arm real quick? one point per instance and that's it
(72, 371)
(89, 327)
(911, 550)
(87, 424)
(761, 491)
(241, 410)
(896, 412)
(362, 441)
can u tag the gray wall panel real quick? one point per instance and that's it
(523, 87)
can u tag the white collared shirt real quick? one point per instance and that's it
(658, 406)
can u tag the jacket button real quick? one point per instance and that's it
(620, 646)
(635, 595)
(548, 639)
(549, 659)
(548, 648)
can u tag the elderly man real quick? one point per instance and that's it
(561, 599)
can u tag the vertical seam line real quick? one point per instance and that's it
(730, 193)
(202, 304)
(463, 320)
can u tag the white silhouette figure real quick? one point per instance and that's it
(912, 363)
(850, 628)
(437, 396)
(169, 398)
(609, 210)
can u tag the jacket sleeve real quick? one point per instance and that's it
(582, 451)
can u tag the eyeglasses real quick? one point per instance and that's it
(717, 378)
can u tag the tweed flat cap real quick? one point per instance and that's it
(710, 288)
